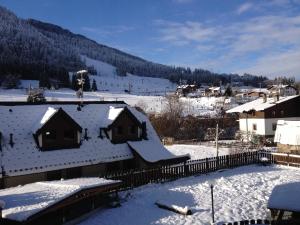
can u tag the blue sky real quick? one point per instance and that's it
(260, 37)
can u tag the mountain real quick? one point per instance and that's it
(32, 49)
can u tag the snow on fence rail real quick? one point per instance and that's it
(134, 178)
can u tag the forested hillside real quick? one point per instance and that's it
(30, 49)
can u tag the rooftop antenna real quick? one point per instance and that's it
(81, 82)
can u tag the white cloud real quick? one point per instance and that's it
(284, 64)
(258, 45)
(244, 8)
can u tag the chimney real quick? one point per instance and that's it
(11, 141)
(86, 134)
(100, 133)
(264, 98)
(276, 97)
(144, 131)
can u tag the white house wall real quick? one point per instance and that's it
(263, 126)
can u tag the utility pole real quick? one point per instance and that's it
(217, 139)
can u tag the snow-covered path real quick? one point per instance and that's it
(240, 193)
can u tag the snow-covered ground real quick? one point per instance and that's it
(108, 80)
(150, 103)
(197, 151)
(240, 193)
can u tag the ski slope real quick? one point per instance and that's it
(108, 80)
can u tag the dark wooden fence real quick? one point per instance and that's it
(134, 178)
(248, 222)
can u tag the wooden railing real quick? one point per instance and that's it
(134, 178)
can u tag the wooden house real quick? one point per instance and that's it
(50, 141)
(259, 117)
(287, 136)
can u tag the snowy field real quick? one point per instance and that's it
(150, 103)
(240, 193)
(197, 151)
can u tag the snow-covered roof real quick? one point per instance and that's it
(112, 114)
(214, 88)
(48, 114)
(285, 197)
(25, 157)
(21, 202)
(287, 132)
(153, 152)
(259, 104)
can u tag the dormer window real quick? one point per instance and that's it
(124, 127)
(69, 134)
(50, 135)
(119, 130)
(57, 130)
(132, 129)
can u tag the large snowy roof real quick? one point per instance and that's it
(259, 104)
(285, 197)
(25, 157)
(287, 132)
(24, 201)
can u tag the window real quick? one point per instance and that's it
(69, 134)
(273, 113)
(254, 127)
(274, 125)
(50, 135)
(132, 129)
(282, 112)
(119, 130)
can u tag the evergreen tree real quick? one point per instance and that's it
(44, 81)
(74, 84)
(228, 91)
(94, 86)
(87, 84)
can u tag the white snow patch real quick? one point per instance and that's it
(24, 201)
(239, 194)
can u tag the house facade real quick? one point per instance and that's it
(287, 136)
(259, 117)
(50, 141)
(282, 90)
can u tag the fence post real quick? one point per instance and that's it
(288, 159)
(207, 165)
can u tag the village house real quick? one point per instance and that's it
(213, 91)
(259, 117)
(282, 90)
(287, 136)
(50, 141)
(184, 90)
